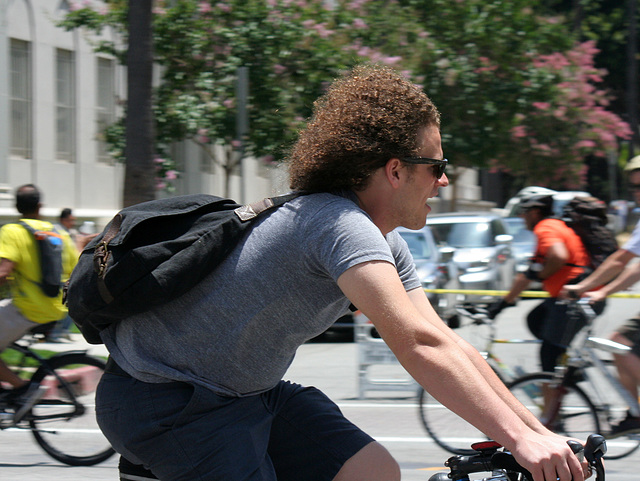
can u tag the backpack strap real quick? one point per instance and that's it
(33, 232)
(251, 211)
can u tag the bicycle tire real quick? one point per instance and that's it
(63, 422)
(447, 429)
(577, 416)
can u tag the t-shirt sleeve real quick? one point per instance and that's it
(633, 244)
(547, 236)
(340, 236)
(404, 261)
(10, 245)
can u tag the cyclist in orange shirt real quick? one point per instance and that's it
(560, 259)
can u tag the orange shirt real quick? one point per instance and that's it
(552, 231)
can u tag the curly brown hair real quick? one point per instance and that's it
(366, 118)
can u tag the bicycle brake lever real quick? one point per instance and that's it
(594, 450)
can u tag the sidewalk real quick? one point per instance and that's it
(77, 343)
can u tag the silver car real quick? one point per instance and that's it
(524, 242)
(435, 267)
(482, 245)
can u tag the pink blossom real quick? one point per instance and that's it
(279, 69)
(541, 105)
(223, 7)
(518, 132)
(171, 175)
(585, 144)
(359, 24)
(205, 7)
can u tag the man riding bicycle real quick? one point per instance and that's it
(194, 387)
(28, 306)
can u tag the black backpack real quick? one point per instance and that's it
(588, 218)
(49, 246)
(153, 252)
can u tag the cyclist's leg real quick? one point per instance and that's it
(13, 325)
(542, 321)
(373, 462)
(628, 365)
(312, 440)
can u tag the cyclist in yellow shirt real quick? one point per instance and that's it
(27, 306)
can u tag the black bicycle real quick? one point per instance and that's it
(489, 456)
(63, 421)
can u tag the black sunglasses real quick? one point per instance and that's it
(439, 164)
(634, 186)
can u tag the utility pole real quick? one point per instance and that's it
(242, 125)
(632, 76)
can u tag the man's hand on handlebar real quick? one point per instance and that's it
(496, 307)
(549, 458)
(575, 292)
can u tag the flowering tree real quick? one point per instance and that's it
(491, 67)
(574, 124)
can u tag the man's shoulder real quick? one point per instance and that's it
(550, 224)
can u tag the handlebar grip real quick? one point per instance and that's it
(573, 295)
(577, 448)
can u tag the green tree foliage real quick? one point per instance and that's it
(515, 88)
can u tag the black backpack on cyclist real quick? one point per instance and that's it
(153, 252)
(49, 246)
(587, 216)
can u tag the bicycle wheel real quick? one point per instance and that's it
(624, 445)
(577, 416)
(64, 420)
(448, 430)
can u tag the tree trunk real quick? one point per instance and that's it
(139, 182)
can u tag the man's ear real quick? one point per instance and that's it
(393, 172)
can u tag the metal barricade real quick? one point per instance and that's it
(372, 350)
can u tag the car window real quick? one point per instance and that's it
(498, 227)
(418, 245)
(463, 234)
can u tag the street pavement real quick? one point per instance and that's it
(332, 365)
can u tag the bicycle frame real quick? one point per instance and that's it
(505, 372)
(26, 351)
(584, 354)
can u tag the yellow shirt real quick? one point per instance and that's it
(18, 246)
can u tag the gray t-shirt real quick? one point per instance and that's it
(237, 331)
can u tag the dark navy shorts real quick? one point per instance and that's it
(186, 432)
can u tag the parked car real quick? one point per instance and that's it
(523, 244)
(435, 267)
(482, 245)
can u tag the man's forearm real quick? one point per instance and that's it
(629, 277)
(608, 270)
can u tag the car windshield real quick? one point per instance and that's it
(463, 234)
(418, 245)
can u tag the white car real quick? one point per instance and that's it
(560, 199)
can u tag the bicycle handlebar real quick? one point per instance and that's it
(490, 457)
(479, 315)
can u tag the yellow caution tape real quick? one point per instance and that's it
(536, 294)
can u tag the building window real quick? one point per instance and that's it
(105, 105)
(65, 105)
(21, 99)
